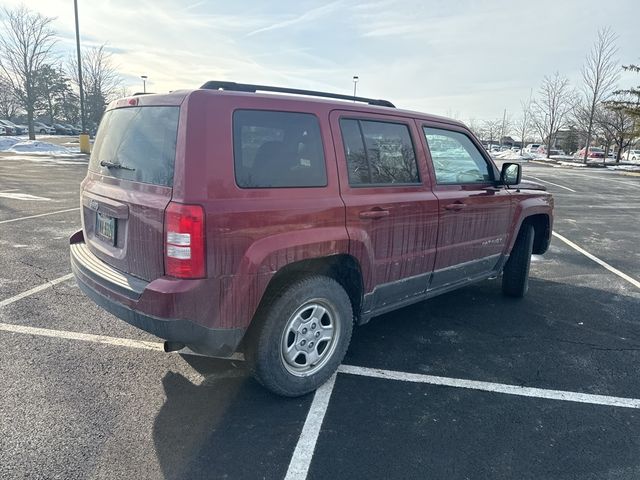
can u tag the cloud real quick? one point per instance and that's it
(308, 16)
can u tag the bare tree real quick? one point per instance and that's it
(475, 127)
(9, 104)
(556, 100)
(599, 75)
(617, 121)
(523, 125)
(25, 47)
(491, 130)
(100, 79)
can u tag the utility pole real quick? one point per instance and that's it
(144, 83)
(355, 81)
(504, 119)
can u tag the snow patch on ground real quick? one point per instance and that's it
(7, 142)
(58, 159)
(39, 148)
(513, 155)
(628, 168)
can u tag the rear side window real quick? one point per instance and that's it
(379, 153)
(138, 144)
(456, 160)
(277, 149)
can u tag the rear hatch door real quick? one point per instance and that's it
(128, 187)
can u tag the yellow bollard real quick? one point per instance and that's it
(85, 146)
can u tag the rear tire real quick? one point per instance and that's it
(300, 335)
(515, 275)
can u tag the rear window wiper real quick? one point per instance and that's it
(104, 163)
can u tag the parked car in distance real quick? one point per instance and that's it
(532, 147)
(223, 219)
(43, 128)
(9, 129)
(3, 131)
(17, 129)
(62, 129)
(556, 152)
(594, 152)
(72, 129)
(632, 155)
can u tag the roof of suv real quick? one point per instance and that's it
(338, 101)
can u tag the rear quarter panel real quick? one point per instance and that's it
(252, 233)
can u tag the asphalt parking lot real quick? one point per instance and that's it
(469, 385)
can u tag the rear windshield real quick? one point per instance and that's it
(138, 144)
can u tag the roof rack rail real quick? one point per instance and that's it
(244, 87)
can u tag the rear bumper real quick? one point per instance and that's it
(130, 299)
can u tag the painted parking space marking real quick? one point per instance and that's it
(323, 399)
(303, 453)
(23, 196)
(504, 388)
(602, 263)
(39, 215)
(551, 183)
(33, 291)
(85, 337)
(603, 178)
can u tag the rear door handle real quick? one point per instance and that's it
(373, 214)
(457, 206)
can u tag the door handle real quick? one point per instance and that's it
(457, 206)
(373, 214)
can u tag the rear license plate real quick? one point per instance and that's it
(106, 228)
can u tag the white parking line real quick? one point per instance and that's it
(606, 177)
(39, 215)
(35, 290)
(622, 275)
(551, 183)
(23, 196)
(85, 337)
(493, 387)
(303, 454)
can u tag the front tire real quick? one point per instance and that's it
(301, 334)
(515, 275)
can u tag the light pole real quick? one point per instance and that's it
(355, 81)
(144, 83)
(85, 145)
(82, 115)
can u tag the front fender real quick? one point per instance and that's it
(535, 204)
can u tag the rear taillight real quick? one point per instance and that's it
(184, 241)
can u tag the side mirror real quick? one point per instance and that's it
(511, 174)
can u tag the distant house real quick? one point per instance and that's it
(568, 139)
(507, 140)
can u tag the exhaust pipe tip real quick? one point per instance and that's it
(173, 346)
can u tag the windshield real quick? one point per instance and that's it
(138, 144)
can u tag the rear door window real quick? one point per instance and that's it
(379, 153)
(137, 144)
(277, 149)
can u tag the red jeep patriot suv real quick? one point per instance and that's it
(223, 219)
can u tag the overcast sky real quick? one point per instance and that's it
(461, 58)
